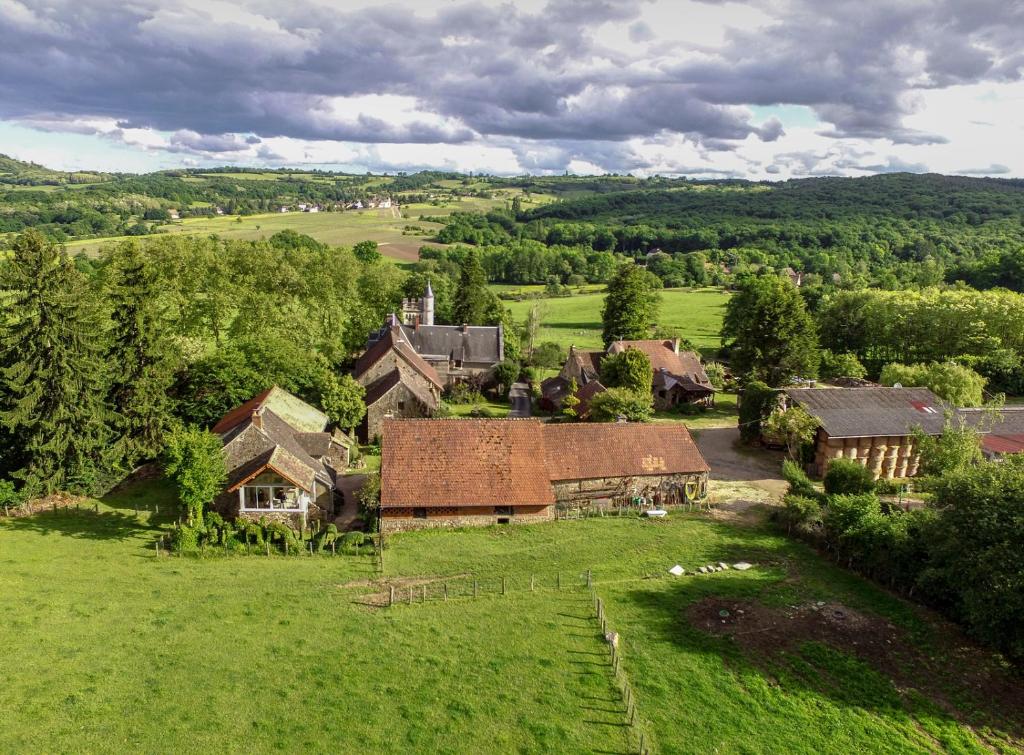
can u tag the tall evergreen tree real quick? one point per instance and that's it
(631, 307)
(142, 351)
(474, 302)
(52, 371)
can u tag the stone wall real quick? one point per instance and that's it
(398, 402)
(887, 457)
(392, 361)
(398, 519)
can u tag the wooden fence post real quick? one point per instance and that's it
(156, 546)
(410, 596)
(531, 583)
(268, 548)
(445, 592)
(502, 585)
(424, 594)
(333, 552)
(286, 547)
(589, 579)
(558, 580)
(391, 597)
(474, 587)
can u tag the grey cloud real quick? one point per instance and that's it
(486, 72)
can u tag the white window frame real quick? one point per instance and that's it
(303, 499)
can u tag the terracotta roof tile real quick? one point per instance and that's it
(463, 462)
(685, 364)
(582, 451)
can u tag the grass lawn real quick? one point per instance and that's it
(576, 320)
(723, 414)
(107, 648)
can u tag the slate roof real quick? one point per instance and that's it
(394, 339)
(510, 462)
(581, 451)
(463, 462)
(472, 343)
(685, 366)
(872, 412)
(554, 389)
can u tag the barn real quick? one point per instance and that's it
(874, 426)
(458, 472)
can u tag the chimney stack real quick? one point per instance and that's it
(465, 328)
(675, 345)
(257, 418)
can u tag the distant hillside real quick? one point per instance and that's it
(21, 173)
(948, 199)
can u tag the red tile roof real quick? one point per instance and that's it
(393, 339)
(503, 462)
(1003, 444)
(463, 462)
(583, 451)
(664, 357)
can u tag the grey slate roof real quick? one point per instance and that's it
(872, 412)
(474, 343)
(247, 447)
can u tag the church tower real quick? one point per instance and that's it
(428, 306)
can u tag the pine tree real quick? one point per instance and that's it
(142, 352)
(52, 372)
(473, 300)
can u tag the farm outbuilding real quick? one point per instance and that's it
(454, 472)
(873, 426)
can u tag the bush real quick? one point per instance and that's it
(185, 539)
(848, 477)
(844, 513)
(799, 483)
(352, 540)
(844, 364)
(799, 512)
(716, 374)
(280, 534)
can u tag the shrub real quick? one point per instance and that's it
(185, 539)
(757, 402)
(716, 374)
(843, 364)
(279, 534)
(799, 483)
(615, 402)
(848, 477)
(844, 512)
(799, 512)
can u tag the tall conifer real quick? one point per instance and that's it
(52, 371)
(142, 354)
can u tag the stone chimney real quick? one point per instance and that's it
(675, 345)
(257, 418)
(464, 328)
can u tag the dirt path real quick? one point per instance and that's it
(348, 487)
(733, 464)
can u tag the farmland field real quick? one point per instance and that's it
(576, 320)
(107, 648)
(335, 228)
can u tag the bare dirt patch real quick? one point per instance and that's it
(958, 672)
(48, 503)
(407, 251)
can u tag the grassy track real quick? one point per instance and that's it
(105, 648)
(695, 313)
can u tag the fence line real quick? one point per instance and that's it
(622, 682)
(431, 589)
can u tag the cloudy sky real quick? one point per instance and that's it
(756, 89)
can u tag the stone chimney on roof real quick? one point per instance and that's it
(465, 328)
(257, 418)
(675, 345)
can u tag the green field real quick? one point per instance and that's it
(576, 320)
(335, 228)
(108, 649)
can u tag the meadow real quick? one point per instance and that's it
(336, 228)
(576, 320)
(109, 648)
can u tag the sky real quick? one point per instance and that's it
(758, 89)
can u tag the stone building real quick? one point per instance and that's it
(482, 472)
(282, 460)
(458, 353)
(873, 426)
(679, 376)
(398, 382)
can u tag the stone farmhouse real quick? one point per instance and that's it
(282, 460)
(398, 382)
(458, 353)
(489, 471)
(679, 376)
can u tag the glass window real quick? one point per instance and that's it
(271, 498)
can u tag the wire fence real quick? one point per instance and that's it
(428, 589)
(622, 682)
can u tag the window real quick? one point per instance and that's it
(401, 405)
(419, 513)
(273, 498)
